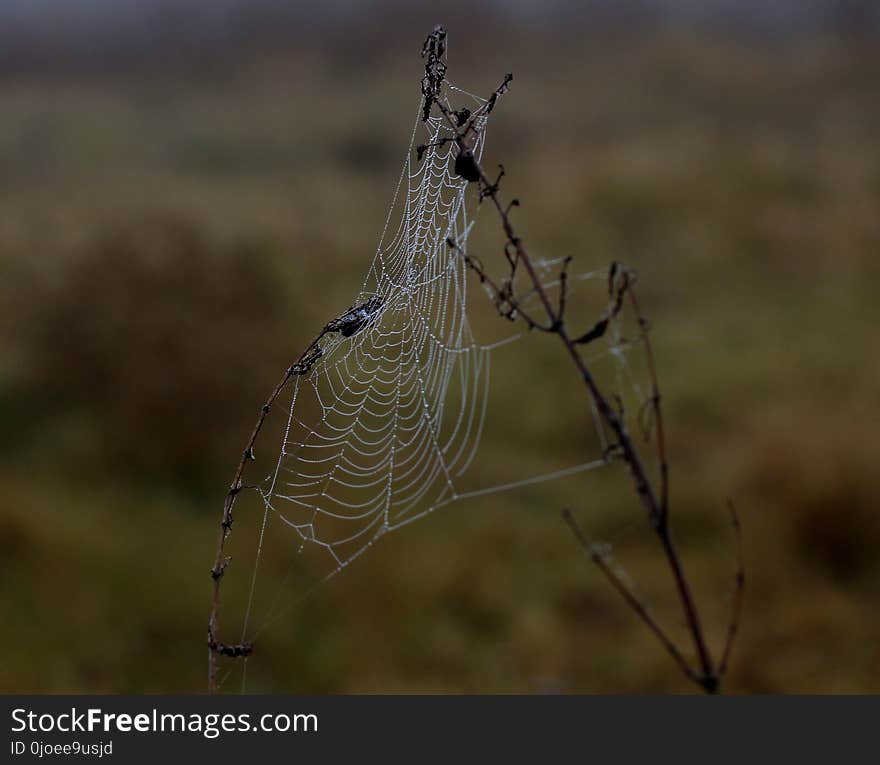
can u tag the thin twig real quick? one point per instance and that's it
(657, 510)
(655, 402)
(563, 287)
(738, 593)
(221, 560)
(633, 601)
(347, 324)
(507, 304)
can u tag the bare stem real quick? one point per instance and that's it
(347, 324)
(656, 508)
(738, 593)
(655, 402)
(221, 561)
(598, 557)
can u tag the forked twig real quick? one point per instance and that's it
(347, 324)
(599, 557)
(655, 502)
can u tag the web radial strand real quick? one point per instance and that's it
(389, 418)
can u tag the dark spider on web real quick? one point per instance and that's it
(356, 317)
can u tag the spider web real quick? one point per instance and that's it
(384, 426)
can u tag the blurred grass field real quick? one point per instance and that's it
(171, 236)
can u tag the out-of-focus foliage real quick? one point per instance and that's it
(175, 224)
(122, 344)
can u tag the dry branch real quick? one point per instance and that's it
(347, 324)
(655, 501)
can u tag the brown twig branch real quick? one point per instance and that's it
(599, 556)
(655, 502)
(655, 402)
(347, 324)
(738, 593)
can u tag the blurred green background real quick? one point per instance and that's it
(189, 190)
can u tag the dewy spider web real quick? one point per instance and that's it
(384, 445)
(387, 420)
